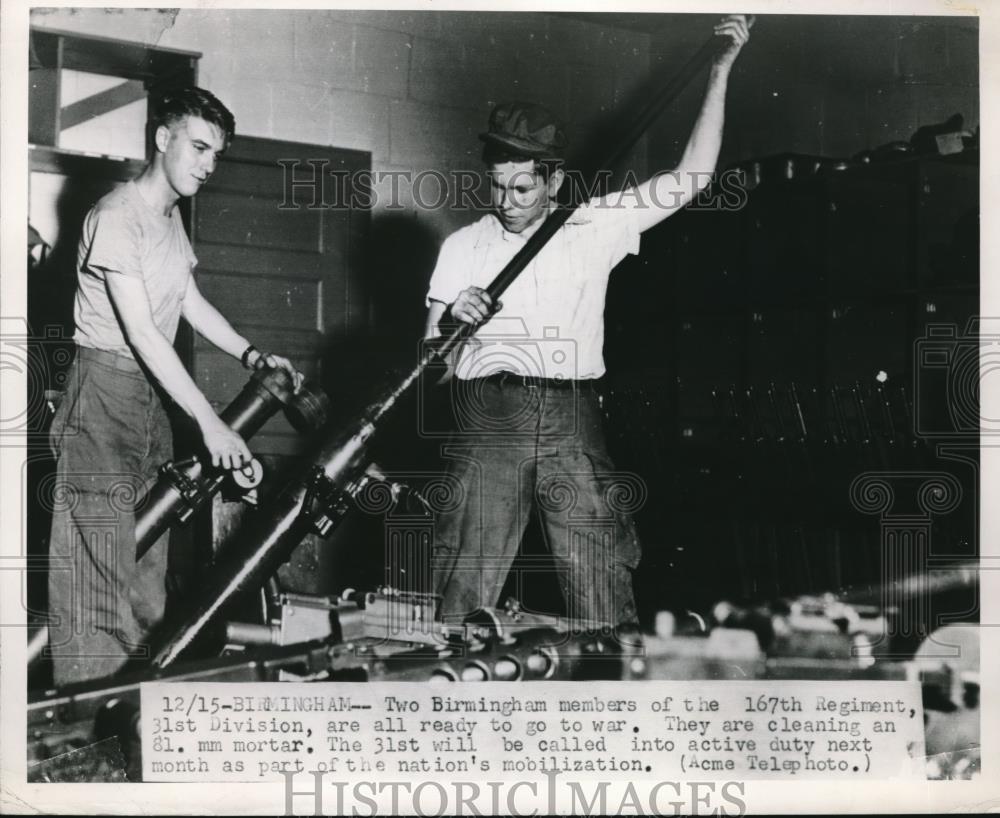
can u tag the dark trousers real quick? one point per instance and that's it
(109, 436)
(521, 448)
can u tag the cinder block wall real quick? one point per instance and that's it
(833, 86)
(413, 88)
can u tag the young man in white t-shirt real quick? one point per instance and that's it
(529, 434)
(111, 432)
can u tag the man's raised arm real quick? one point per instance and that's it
(667, 192)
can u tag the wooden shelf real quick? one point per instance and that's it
(53, 51)
(104, 55)
(47, 159)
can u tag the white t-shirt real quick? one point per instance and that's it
(552, 321)
(124, 235)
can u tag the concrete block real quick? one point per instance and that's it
(508, 31)
(843, 123)
(302, 113)
(495, 71)
(263, 45)
(432, 137)
(343, 119)
(249, 100)
(206, 30)
(893, 113)
(754, 141)
(381, 61)
(418, 23)
(324, 49)
(580, 38)
(682, 35)
(616, 46)
(631, 74)
(538, 47)
(591, 92)
(785, 49)
(800, 117)
(848, 51)
(513, 26)
(482, 69)
(438, 74)
(463, 26)
(360, 121)
(922, 50)
(665, 62)
(773, 121)
(963, 55)
(546, 81)
(212, 71)
(935, 103)
(346, 17)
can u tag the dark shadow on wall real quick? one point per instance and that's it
(399, 258)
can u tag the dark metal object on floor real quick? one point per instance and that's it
(384, 636)
(101, 762)
(378, 636)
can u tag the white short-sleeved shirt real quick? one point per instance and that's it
(552, 321)
(124, 235)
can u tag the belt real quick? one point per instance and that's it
(531, 382)
(114, 360)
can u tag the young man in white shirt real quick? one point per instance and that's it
(111, 433)
(528, 409)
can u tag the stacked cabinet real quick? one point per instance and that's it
(764, 357)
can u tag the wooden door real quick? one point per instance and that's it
(287, 274)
